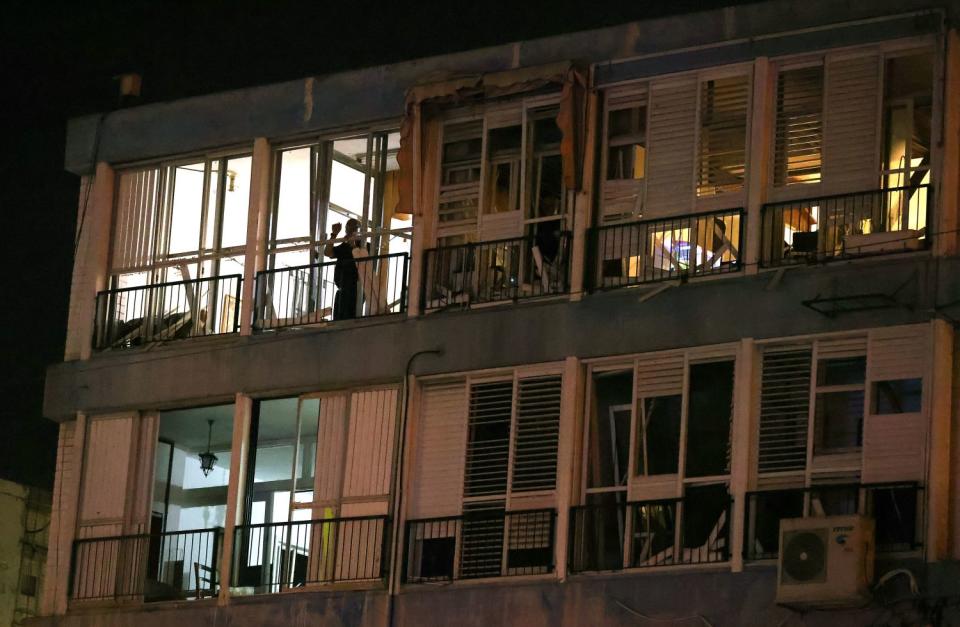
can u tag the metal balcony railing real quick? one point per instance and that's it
(873, 222)
(670, 248)
(647, 534)
(167, 566)
(479, 544)
(375, 286)
(273, 557)
(134, 316)
(484, 272)
(897, 509)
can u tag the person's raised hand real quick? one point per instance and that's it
(336, 229)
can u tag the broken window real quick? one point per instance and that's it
(658, 436)
(609, 451)
(900, 396)
(908, 105)
(502, 193)
(722, 150)
(627, 143)
(460, 172)
(799, 126)
(838, 414)
(709, 420)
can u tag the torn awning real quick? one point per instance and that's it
(482, 87)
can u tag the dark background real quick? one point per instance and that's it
(58, 61)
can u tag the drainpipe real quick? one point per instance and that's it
(392, 585)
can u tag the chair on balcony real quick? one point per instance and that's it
(206, 577)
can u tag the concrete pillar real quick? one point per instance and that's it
(941, 467)
(947, 219)
(236, 488)
(571, 413)
(741, 439)
(583, 205)
(758, 159)
(90, 271)
(258, 220)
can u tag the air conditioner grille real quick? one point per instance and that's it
(805, 556)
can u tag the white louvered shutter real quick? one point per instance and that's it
(660, 376)
(370, 440)
(103, 501)
(894, 444)
(331, 429)
(851, 124)
(536, 434)
(134, 235)
(437, 476)
(844, 347)
(672, 143)
(722, 142)
(488, 439)
(784, 408)
(799, 126)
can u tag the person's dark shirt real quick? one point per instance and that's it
(346, 269)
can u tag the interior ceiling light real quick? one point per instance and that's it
(207, 458)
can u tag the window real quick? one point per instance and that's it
(460, 172)
(799, 126)
(317, 489)
(332, 181)
(623, 160)
(901, 396)
(502, 193)
(659, 509)
(908, 104)
(722, 149)
(181, 221)
(838, 417)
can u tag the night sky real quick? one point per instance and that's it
(58, 61)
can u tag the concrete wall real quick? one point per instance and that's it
(717, 598)
(603, 323)
(318, 103)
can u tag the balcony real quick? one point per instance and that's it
(479, 544)
(500, 270)
(897, 509)
(178, 565)
(647, 251)
(660, 534)
(135, 316)
(843, 226)
(309, 294)
(274, 557)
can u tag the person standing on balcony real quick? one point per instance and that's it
(345, 274)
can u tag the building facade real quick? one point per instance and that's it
(550, 333)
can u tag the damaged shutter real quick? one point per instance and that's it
(672, 143)
(784, 408)
(624, 158)
(537, 432)
(134, 236)
(370, 439)
(841, 348)
(894, 443)
(660, 376)
(437, 476)
(722, 154)
(799, 126)
(459, 198)
(488, 442)
(850, 155)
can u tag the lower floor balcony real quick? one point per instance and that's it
(492, 271)
(479, 544)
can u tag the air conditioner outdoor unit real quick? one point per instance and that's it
(825, 561)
